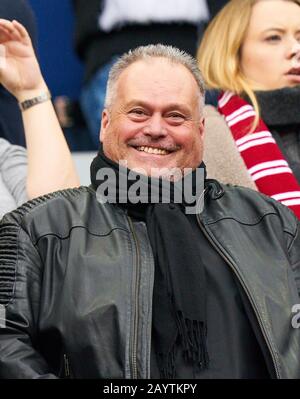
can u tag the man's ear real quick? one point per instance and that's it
(105, 120)
(202, 127)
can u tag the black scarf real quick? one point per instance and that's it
(179, 293)
(279, 107)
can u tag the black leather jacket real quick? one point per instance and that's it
(76, 280)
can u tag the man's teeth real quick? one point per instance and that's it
(151, 150)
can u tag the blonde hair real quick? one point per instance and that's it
(219, 52)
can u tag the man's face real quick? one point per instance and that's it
(155, 120)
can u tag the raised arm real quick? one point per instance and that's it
(50, 165)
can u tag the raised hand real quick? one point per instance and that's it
(19, 69)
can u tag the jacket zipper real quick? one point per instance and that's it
(66, 366)
(133, 351)
(254, 307)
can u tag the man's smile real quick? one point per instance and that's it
(153, 150)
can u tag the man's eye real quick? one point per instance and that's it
(138, 112)
(176, 117)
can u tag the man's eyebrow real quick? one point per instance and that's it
(179, 107)
(168, 107)
(135, 102)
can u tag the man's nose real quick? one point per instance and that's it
(155, 126)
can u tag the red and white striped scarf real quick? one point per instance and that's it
(265, 162)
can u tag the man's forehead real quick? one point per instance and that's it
(163, 67)
(156, 76)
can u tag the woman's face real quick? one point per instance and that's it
(270, 55)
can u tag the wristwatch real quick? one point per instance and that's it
(24, 105)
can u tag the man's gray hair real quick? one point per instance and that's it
(170, 53)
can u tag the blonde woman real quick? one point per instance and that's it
(250, 52)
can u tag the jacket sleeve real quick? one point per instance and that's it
(13, 167)
(20, 286)
(294, 254)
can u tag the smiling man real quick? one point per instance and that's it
(129, 289)
(156, 117)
